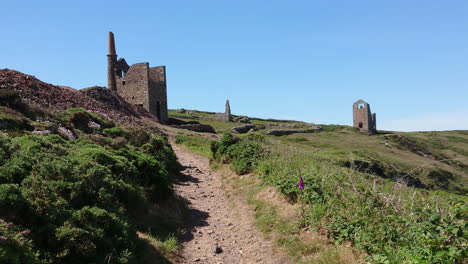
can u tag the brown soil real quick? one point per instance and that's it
(216, 221)
(58, 98)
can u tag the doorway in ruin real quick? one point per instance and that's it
(360, 124)
(158, 110)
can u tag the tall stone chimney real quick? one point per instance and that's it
(111, 63)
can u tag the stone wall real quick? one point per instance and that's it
(158, 93)
(133, 87)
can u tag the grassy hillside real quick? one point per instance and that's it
(399, 197)
(430, 160)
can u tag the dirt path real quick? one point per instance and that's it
(218, 230)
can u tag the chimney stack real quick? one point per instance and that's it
(111, 63)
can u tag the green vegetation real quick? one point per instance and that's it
(362, 188)
(242, 154)
(430, 160)
(81, 201)
(194, 143)
(390, 221)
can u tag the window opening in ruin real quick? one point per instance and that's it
(360, 106)
(158, 110)
(360, 124)
(123, 82)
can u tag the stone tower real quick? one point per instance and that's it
(363, 119)
(138, 84)
(227, 112)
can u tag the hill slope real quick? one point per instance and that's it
(397, 197)
(430, 160)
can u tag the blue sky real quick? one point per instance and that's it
(304, 60)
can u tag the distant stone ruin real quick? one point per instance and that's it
(138, 84)
(226, 116)
(363, 119)
(227, 112)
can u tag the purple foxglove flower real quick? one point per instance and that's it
(300, 183)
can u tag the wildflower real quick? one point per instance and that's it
(300, 183)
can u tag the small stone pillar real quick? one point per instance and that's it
(227, 112)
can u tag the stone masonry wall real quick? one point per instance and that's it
(158, 93)
(133, 87)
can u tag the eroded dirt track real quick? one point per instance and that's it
(219, 229)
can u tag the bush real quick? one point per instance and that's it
(15, 247)
(90, 230)
(242, 154)
(138, 137)
(76, 197)
(116, 132)
(13, 206)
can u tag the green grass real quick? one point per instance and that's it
(167, 247)
(390, 221)
(195, 143)
(286, 230)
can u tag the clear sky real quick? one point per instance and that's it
(303, 60)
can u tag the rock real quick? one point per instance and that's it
(387, 144)
(243, 129)
(93, 124)
(282, 132)
(41, 132)
(217, 249)
(197, 128)
(66, 133)
(196, 259)
(244, 119)
(181, 111)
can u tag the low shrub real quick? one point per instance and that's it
(76, 198)
(15, 247)
(114, 132)
(242, 154)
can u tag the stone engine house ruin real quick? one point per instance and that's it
(363, 119)
(138, 84)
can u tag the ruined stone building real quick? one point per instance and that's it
(363, 119)
(138, 84)
(226, 116)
